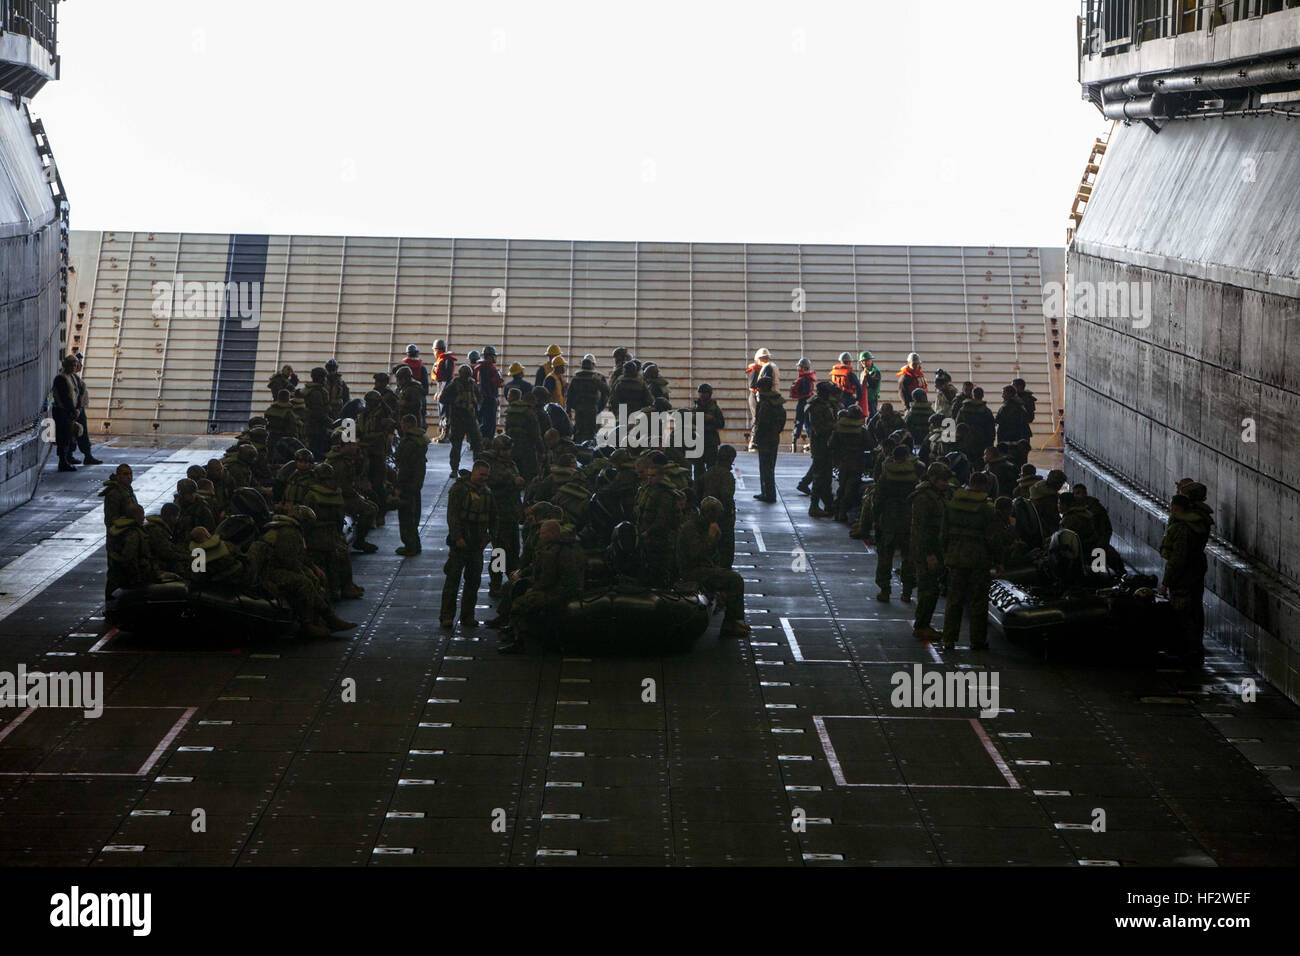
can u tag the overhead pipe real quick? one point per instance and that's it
(1150, 107)
(1219, 78)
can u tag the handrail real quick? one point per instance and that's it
(1110, 26)
(38, 19)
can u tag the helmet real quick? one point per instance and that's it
(186, 486)
(324, 471)
(588, 362)
(938, 470)
(413, 350)
(516, 369)
(464, 371)
(552, 351)
(373, 396)
(474, 356)
(331, 365)
(440, 345)
(257, 421)
(558, 362)
(304, 454)
(864, 355)
(710, 508)
(381, 378)
(403, 371)
(705, 388)
(195, 472)
(589, 356)
(846, 358)
(489, 350)
(247, 453)
(803, 363)
(303, 513)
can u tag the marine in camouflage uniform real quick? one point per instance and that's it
(316, 402)
(559, 567)
(412, 462)
(375, 435)
(168, 554)
(585, 398)
(893, 518)
(928, 501)
(714, 422)
(720, 482)
(700, 560)
(769, 420)
(280, 421)
(286, 571)
(1183, 549)
(195, 511)
(506, 483)
(297, 477)
(117, 494)
(848, 444)
(820, 416)
(970, 548)
(658, 514)
(526, 435)
(410, 394)
(461, 400)
(347, 461)
(336, 388)
(130, 558)
(470, 517)
(325, 541)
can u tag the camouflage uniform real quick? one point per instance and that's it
(130, 559)
(470, 517)
(719, 482)
(280, 423)
(412, 455)
(168, 555)
(283, 562)
(522, 427)
(1183, 549)
(700, 562)
(461, 401)
(658, 513)
(557, 575)
(927, 520)
(349, 475)
(894, 521)
(325, 541)
(316, 400)
(503, 480)
(714, 422)
(337, 391)
(769, 420)
(848, 442)
(970, 542)
(585, 397)
(118, 498)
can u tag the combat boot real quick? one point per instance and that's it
(736, 628)
(907, 595)
(365, 547)
(350, 592)
(406, 552)
(815, 512)
(883, 595)
(316, 630)
(926, 633)
(336, 623)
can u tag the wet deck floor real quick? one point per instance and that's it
(447, 738)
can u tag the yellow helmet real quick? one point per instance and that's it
(553, 351)
(516, 368)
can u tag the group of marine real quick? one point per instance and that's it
(932, 483)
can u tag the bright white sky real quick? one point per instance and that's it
(859, 121)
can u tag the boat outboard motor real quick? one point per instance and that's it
(238, 530)
(622, 554)
(960, 466)
(1029, 525)
(1065, 558)
(559, 419)
(351, 410)
(249, 502)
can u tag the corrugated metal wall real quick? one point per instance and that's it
(699, 310)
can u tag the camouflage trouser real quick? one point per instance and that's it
(466, 564)
(927, 588)
(888, 543)
(1189, 605)
(657, 565)
(301, 591)
(850, 490)
(968, 590)
(821, 473)
(724, 583)
(377, 470)
(506, 537)
(727, 544)
(408, 518)
(362, 512)
(462, 428)
(706, 461)
(535, 606)
(584, 424)
(333, 559)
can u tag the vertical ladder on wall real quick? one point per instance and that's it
(60, 196)
(1087, 182)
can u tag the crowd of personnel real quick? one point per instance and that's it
(931, 483)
